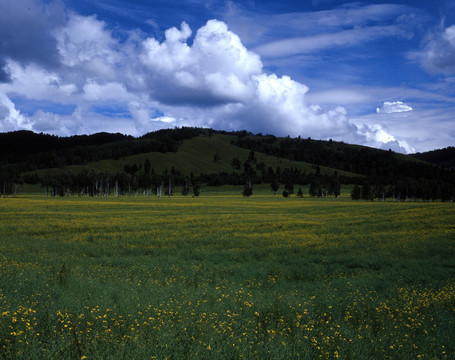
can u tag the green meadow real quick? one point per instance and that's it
(226, 277)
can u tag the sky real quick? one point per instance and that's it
(374, 73)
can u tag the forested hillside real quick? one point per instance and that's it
(29, 151)
(189, 157)
(444, 157)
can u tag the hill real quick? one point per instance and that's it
(27, 150)
(444, 157)
(190, 155)
(200, 155)
(17, 146)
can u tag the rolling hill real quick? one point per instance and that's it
(195, 156)
(213, 157)
(444, 157)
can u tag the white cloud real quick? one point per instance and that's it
(164, 119)
(35, 82)
(423, 129)
(310, 44)
(111, 91)
(220, 72)
(393, 107)
(378, 137)
(85, 40)
(10, 118)
(340, 96)
(171, 55)
(280, 107)
(281, 35)
(81, 121)
(48, 122)
(217, 68)
(141, 115)
(438, 52)
(210, 80)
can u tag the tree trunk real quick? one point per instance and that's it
(107, 186)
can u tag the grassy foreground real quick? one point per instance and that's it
(223, 277)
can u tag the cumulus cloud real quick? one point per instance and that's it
(226, 81)
(35, 82)
(10, 118)
(216, 69)
(87, 47)
(438, 52)
(49, 122)
(110, 91)
(280, 107)
(424, 128)
(228, 84)
(393, 107)
(209, 79)
(378, 137)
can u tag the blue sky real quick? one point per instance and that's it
(375, 73)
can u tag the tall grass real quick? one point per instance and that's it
(225, 277)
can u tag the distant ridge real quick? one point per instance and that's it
(219, 157)
(22, 142)
(444, 157)
(26, 142)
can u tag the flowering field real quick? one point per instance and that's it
(224, 277)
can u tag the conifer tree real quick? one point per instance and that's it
(355, 194)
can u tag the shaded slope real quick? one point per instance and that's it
(444, 157)
(16, 146)
(196, 156)
(193, 151)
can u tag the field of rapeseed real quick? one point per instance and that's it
(224, 277)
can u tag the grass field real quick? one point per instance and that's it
(225, 277)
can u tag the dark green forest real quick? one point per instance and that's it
(444, 157)
(377, 174)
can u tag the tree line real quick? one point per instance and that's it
(385, 174)
(130, 182)
(405, 190)
(142, 179)
(27, 151)
(382, 174)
